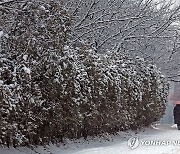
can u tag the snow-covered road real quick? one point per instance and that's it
(159, 135)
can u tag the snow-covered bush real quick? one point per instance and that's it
(50, 91)
(31, 60)
(116, 92)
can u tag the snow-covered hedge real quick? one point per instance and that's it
(117, 92)
(50, 91)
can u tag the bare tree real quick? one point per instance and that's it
(146, 28)
(135, 27)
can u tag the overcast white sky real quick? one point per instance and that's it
(177, 1)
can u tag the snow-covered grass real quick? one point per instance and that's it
(111, 144)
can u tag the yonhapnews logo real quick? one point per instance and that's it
(133, 142)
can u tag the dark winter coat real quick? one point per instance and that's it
(177, 114)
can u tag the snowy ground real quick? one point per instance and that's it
(160, 134)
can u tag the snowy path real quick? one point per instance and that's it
(117, 146)
(161, 133)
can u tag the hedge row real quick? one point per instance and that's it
(50, 91)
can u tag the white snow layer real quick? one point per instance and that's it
(25, 57)
(116, 145)
(27, 70)
(1, 34)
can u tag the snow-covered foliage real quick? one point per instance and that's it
(50, 90)
(125, 93)
(30, 68)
